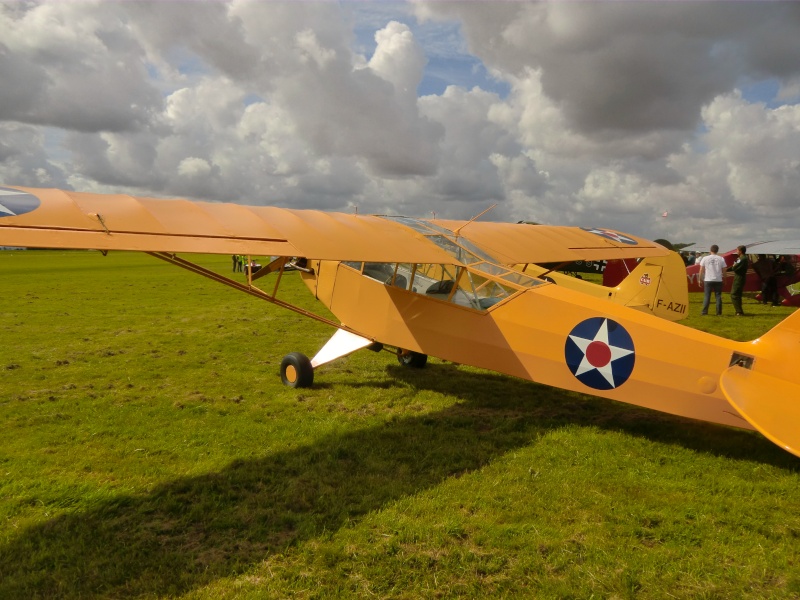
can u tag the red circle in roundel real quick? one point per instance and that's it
(598, 354)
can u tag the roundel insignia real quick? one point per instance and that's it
(599, 352)
(614, 236)
(16, 202)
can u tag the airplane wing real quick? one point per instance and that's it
(51, 218)
(780, 247)
(520, 243)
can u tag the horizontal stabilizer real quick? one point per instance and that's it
(769, 404)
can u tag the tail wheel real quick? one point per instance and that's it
(296, 370)
(407, 358)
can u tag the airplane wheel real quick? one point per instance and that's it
(296, 370)
(407, 358)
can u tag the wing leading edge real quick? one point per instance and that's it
(51, 218)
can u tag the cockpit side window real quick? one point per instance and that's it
(448, 283)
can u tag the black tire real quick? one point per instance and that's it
(296, 371)
(412, 359)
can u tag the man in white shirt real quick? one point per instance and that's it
(712, 268)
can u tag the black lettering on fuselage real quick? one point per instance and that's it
(672, 306)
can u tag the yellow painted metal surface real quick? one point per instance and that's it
(413, 294)
(675, 370)
(657, 285)
(518, 243)
(120, 222)
(771, 404)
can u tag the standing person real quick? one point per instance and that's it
(712, 267)
(739, 269)
(784, 271)
(235, 261)
(770, 294)
(763, 268)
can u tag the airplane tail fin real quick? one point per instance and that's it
(765, 388)
(656, 285)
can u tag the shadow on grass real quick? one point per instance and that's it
(558, 408)
(191, 531)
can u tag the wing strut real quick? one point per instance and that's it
(248, 289)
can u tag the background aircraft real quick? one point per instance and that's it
(460, 291)
(616, 270)
(753, 283)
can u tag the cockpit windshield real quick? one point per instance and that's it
(467, 253)
(480, 284)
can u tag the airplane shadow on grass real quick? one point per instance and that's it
(556, 408)
(191, 531)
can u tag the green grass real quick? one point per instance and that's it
(148, 450)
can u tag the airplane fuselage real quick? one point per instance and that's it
(547, 334)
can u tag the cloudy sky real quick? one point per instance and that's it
(600, 114)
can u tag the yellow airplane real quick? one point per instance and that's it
(468, 292)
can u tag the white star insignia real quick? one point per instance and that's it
(615, 352)
(5, 209)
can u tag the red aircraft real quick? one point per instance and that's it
(616, 270)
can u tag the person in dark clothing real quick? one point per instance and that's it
(765, 271)
(772, 296)
(784, 271)
(739, 269)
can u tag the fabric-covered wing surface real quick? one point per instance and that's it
(51, 218)
(780, 247)
(519, 243)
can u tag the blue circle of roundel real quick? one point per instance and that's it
(16, 202)
(600, 354)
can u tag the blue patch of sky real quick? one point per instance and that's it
(449, 61)
(764, 91)
(463, 71)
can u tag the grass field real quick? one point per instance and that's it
(149, 450)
